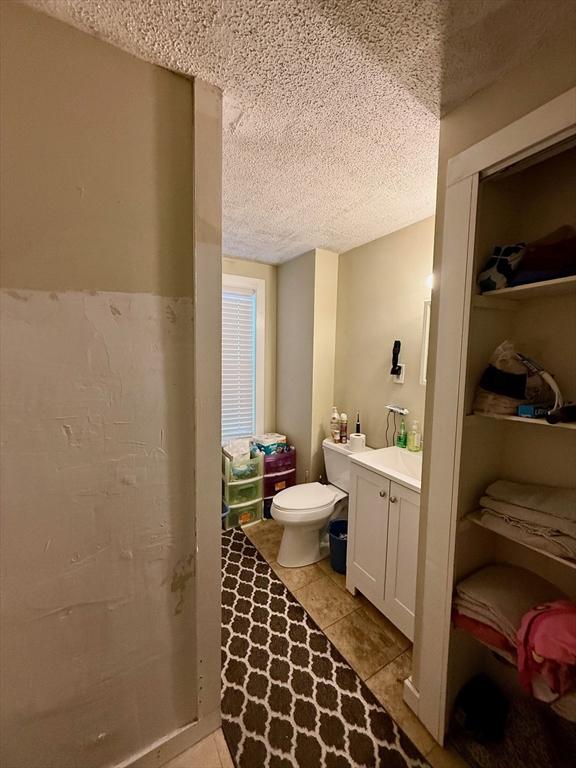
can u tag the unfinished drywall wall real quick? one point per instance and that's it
(307, 294)
(98, 561)
(97, 531)
(266, 272)
(545, 75)
(382, 287)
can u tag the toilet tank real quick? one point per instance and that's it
(337, 461)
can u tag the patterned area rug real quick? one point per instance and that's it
(289, 699)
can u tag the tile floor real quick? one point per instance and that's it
(379, 653)
(211, 752)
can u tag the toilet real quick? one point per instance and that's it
(304, 510)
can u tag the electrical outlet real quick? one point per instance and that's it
(400, 378)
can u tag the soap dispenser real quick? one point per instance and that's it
(401, 438)
(415, 437)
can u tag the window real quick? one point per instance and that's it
(242, 356)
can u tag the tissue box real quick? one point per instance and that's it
(269, 442)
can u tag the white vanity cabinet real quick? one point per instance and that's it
(383, 521)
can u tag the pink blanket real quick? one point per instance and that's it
(546, 643)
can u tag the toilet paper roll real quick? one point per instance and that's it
(357, 442)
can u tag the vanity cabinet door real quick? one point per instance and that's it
(402, 558)
(368, 534)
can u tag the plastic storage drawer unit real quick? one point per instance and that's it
(275, 483)
(279, 462)
(235, 472)
(241, 492)
(241, 514)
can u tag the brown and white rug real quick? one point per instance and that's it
(289, 699)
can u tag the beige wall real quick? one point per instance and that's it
(266, 272)
(381, 293)
(324, 354)
(295, 354)
(548, 74)
(98, 531)
(307, 288)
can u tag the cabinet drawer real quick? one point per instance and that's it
(273, 484)
(233, 473)
(242, 492)
(279, 462)
(241, 514)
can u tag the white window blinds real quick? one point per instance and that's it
(238, 363)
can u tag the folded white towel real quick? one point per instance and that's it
(533, 516)
(503, 594)
(547, 539)
(560, 502)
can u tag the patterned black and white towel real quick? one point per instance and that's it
(289, 699)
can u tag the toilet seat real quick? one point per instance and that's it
(305, 503)
(310, 496)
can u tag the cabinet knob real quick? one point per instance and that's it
(393, 499)
(383, 494)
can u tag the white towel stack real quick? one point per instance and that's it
(499, 595)
(536, 515)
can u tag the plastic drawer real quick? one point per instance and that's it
(241, 514)
(242, 492)
(233, 473)
(279, 462)
(275, 483)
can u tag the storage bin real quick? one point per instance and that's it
(275, 483)
(248, 471)
(241, 514)
(279, 462)
(241, 492)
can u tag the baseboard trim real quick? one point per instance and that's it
(165, 749)
(411, 695)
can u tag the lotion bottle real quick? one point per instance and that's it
(335, 425)
(414, 437)
(343, 428)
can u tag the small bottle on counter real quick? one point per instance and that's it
(401, 438)
(335, 425)
(414, 437)
(343, 428)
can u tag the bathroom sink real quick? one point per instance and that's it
(398, 464)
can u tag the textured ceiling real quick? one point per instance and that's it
(331, 107)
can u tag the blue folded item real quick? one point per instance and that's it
(501, 266)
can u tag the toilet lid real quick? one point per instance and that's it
(304, 496)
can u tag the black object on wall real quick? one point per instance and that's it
(396, 370)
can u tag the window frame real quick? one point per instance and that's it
(257, 285)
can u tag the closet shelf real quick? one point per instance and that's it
(561, 285)
(501, 655)
(473, 517)
(472, 419)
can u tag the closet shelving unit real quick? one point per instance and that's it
(500, 191)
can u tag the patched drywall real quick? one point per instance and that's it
(99, 232)
(330, 107)
(97, 524)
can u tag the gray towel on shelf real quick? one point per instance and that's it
(541, 537)
(529, 516)
(559, 502)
